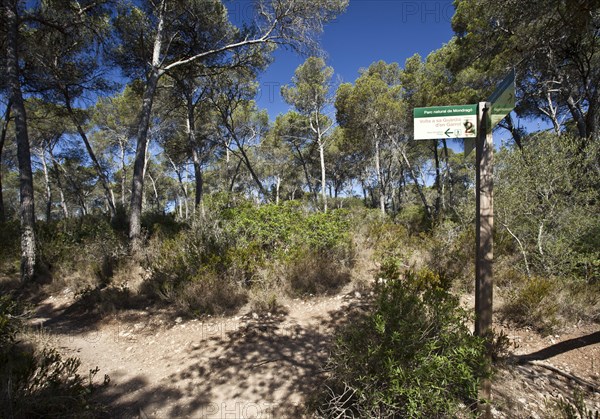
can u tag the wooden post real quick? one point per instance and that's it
(484, 235)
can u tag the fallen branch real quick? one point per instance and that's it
(590, 386)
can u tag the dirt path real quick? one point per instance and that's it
(162, 366)
(254, 366)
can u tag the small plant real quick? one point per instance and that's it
(36, 383)
(411, 356)
(533, 304)
(572, 409)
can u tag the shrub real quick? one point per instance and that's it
(412, 355)
(533, 303)
(85, 247)
(9, 248)
(572, 409)
(37, 383)
(236, 249)
(314, 273)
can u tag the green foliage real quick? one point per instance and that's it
(548, 221)
(414, 218)
(412, 355)
(452, 254)
(235, 249)
(9, 248)
(37, 383)
(573, 409)
(533, 303)
(85, 246)
(546, 197)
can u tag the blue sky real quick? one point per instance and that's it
(369, 30)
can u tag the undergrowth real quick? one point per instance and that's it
(38, 382)
(411, 355)
(211, 266)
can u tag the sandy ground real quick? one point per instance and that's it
(250, 366)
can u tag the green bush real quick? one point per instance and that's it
(313, 273)
(87, 246)
(37, 383)
(412, 355)
(533, 303)
(572, 409)
(10, 248)
(236, 249)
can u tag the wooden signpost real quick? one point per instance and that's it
(438, 122)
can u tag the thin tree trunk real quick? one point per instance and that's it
(577, 116)
(156, 198)
(123, 174)
(364, 191)
(77, 190)
(253, 174)
(139, 166)
(448, 176)
(198, 178)
(379, 178)
(323, 175)
(47, 184)
(417, 184)
(311, 189)
(27, 211)
(277, 187)
(185, 194)
(191, 128)
(61, 193)
(438, 180)
(2, 141)
(101, 175)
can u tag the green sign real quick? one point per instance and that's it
(503, 99)
(456, 121)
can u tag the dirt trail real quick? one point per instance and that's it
(254, 366)
(162, 366)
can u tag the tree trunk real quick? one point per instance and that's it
(448, 177)
(323, 175)
(277, 187)
(311, 189)
(101, 175)
(577, 116)
(156, 198)
(123, 174)
(48, 189)
(591, 116)
(2, 141)
(198, 178)
(438, 180)
(417, 184)
(191, 128)
(379, 178)
(235, 173)
(61, 193)
(139, 166)
(253, 174)
(27, 212)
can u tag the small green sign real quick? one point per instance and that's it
(456, 121)
(503, 99)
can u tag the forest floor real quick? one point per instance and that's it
(250, 365)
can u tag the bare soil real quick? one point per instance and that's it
(259, 366)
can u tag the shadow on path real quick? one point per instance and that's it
(559, 348)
